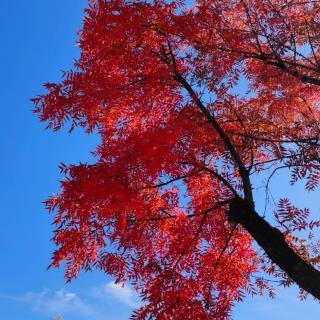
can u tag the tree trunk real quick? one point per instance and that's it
(272, 241)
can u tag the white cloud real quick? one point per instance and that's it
(108, 301)
(122, 293)
(60, 302)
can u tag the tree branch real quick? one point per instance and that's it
(227, 142)
(272, 241)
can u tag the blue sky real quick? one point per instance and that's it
(37, 41)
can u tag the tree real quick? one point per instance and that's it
(169, 203)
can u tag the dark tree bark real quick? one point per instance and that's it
(272, 241)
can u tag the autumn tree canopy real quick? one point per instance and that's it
(169, 203)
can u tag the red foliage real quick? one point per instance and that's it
(156, 80)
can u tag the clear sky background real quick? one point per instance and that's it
(37, 42)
